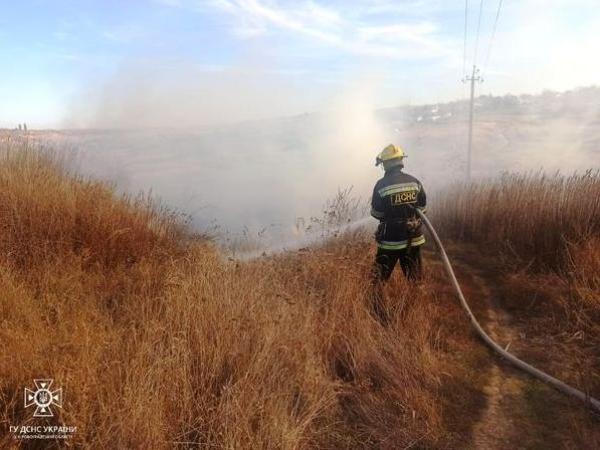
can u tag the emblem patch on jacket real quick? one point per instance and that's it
(402, 198)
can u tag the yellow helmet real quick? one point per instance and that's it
(390, 152)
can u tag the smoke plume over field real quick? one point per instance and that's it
(173, 134)
(185, 134)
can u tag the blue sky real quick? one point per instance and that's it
(66, 63)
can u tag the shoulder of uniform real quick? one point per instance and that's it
(411, 178)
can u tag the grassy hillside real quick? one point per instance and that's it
(158, 341)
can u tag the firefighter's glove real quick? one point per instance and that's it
(413, 224)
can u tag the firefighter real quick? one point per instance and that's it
(398, 236)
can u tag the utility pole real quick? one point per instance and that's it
(473, 78)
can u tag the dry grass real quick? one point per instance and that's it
(539, 226)
(538, 238)
(541, 238)
(530, 217)
(159, 342)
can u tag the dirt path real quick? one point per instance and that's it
(520, 412)
(496, 428)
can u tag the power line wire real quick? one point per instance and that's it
(465, 39)
(487, 58)
(477, 36)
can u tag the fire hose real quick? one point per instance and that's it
(554, 382)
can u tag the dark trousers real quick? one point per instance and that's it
(385, 261)
(410, 262)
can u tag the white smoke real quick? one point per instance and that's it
(177, 139)
(181, 137)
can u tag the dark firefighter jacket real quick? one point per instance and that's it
(394, 197)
